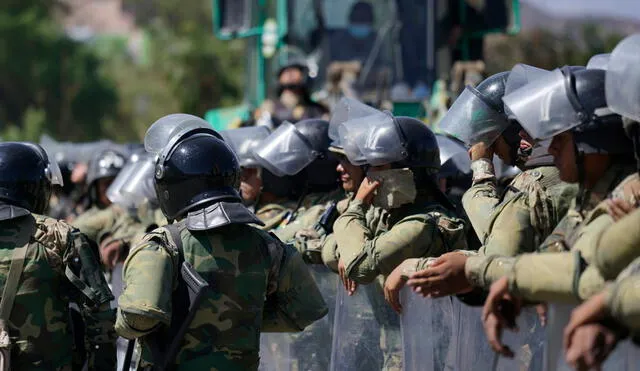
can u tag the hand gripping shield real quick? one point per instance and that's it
(308, 350)
(622, 82)
(428, 341)
(285, 152)
(474, 353)
(243, 141)
(373, 140)
(366, 332)
(623, 358)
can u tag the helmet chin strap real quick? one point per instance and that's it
(583, 193)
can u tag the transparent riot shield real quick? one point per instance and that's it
(366, 332)
(427, 332)
(474, 353)
(624, 358)
(309, 350)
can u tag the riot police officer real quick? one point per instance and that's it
(51, 266)
(210, 264)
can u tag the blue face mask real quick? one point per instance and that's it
(360, 31)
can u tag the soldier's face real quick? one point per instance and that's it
(250, 184)
(102, 185)
(350, 175)
(562, 149)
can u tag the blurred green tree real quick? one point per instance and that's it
(48, 82)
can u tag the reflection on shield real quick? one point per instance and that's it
(366, 332)
(474, 352)
(309, 350)
(427, 336)
(625, 357)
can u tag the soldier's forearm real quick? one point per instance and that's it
(482, 271)
(622, 300)
(618, 245)
(351, 233)
(480, 200)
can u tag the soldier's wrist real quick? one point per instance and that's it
(482, 170)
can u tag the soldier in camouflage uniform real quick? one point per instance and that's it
(403, 160)
(590, 148)
(196, 178)
(101, 216)
(507, 223)
(301, 152)
(267, 195)
(59, 268)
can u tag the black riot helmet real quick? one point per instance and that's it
(198, 170)
(105, 164)
(27, 175)
(300, 150)
(194, 167)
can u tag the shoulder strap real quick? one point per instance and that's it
(11, 286)
(174, 230)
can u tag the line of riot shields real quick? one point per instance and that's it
(362, 332)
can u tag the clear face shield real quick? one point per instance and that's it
(542, 107)
(599, 61)
(453, 155)
(373, 140)
(473, 121)
(134, 184)
(285, 152)
(347, 109)
(622, 82)
(169, 129)
(243, 141)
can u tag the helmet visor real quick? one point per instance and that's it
(285, 152)
(542, 107)
(243, 141)
(599, 61)
(453, 153)
(622, 82)
(374, 140)
(53, 172)
(134, 184)
(473, 121)
(347, 109)
(167, 128)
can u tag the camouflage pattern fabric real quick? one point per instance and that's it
(60, 268)
(622, 298)
(243, 265)
(280, 216)
(421, 229)
(561, 271)
(519, 219)
(97, 223)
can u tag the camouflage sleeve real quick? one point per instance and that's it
(330, 255)
(145, 301)
(482, 271)
(297, 301)
(622, 298)
(480, 200)
(366, 256)
(95, 224)
(511, 232)
(618, 245)
(304, 221)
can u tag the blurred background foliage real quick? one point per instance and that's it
(96, 88)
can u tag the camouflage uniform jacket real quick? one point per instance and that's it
(243, 266)
(622, 298)
(50, 281)
(559, 272)
(276, 217)
(97, 224)
(519, 219)
(421, 229)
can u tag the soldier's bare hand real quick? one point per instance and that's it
(591, 344)
(367, 190)
(392, 286)
(444, 277)
(500, 311)
(618, 208)
(110, 252)
(592, 310)
(481, 150)
(349, 284)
